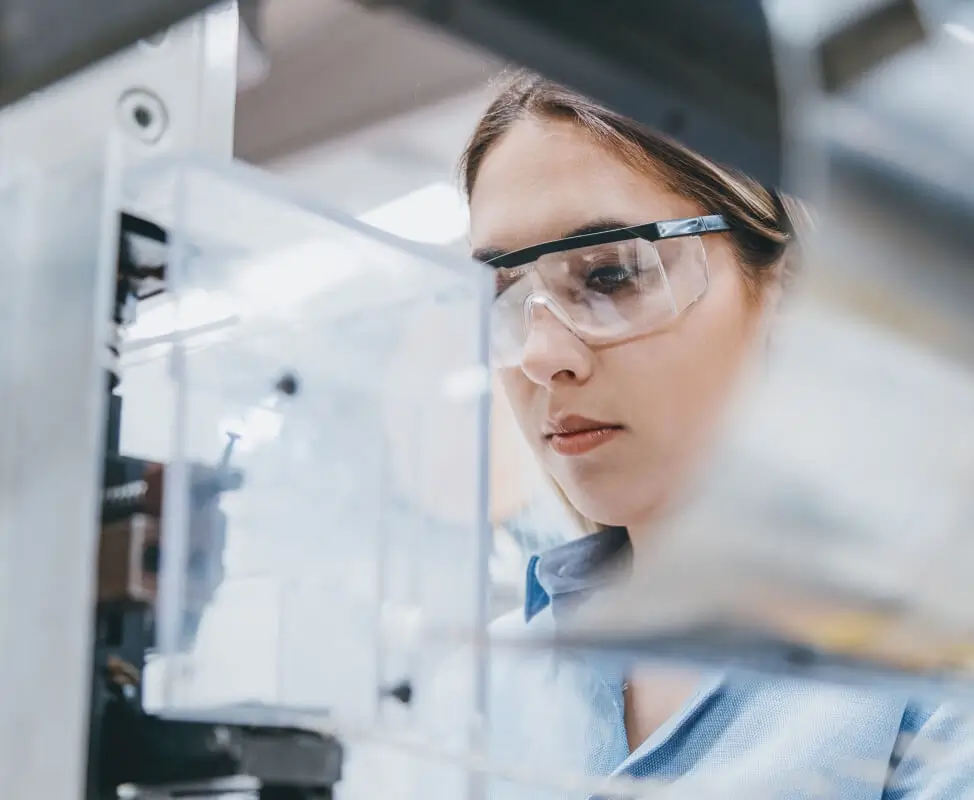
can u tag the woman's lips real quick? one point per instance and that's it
(580, 442)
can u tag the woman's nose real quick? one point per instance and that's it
(552, 353)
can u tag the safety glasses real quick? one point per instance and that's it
(604, 287)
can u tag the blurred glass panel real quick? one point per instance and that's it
(885, 158)
(325, 502)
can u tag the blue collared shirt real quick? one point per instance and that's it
(554, 719)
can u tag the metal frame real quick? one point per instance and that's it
(42, 41)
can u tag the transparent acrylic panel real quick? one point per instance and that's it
(325, 500)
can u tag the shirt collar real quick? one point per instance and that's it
(568, 574)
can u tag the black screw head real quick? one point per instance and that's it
(403, 692)
(287, 384)
(142, 116)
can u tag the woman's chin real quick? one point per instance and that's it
(612, 501)
(605, 509)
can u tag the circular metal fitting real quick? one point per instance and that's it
(143, 116)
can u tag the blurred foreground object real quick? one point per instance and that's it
(306, 341)
(830, 536)
(879, 132)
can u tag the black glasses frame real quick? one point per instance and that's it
(651, 232)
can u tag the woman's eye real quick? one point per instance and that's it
(609, 279)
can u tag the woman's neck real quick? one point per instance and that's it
(643, 536)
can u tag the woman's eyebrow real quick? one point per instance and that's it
(488, 253)
(595, 226)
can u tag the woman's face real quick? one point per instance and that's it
(662, 393)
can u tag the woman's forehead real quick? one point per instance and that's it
(543, 180)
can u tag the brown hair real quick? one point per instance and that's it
(764, 222)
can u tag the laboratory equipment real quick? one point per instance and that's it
(59, 265)
(341, 372)
(162, 236)
(128, 743)
(68, 252)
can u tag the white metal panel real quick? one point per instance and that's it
(56, 267)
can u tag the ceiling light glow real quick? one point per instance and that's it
(435, 214)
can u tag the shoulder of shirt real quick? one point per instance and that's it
(944, 720)
(934, 752)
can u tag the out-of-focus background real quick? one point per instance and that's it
(368, 108)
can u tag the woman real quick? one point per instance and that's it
(634, 279)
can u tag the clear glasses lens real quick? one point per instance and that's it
(604, 293)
